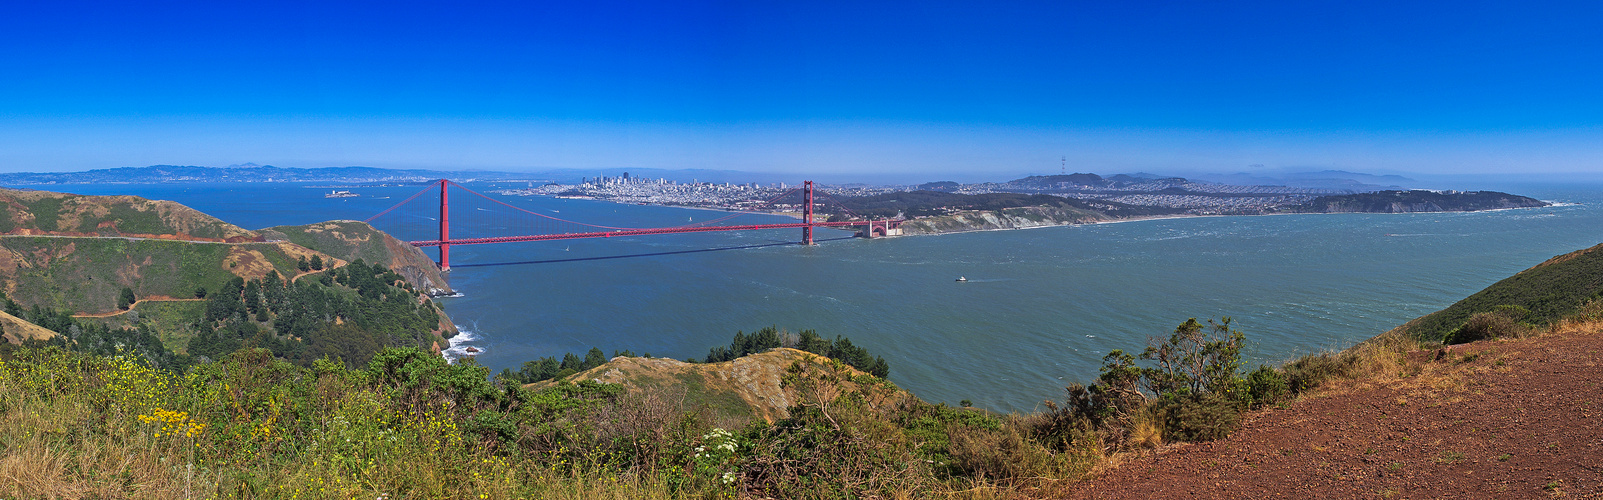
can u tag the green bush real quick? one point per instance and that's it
(1265, 386)
(1310, 371)
(1501, 321)
(1199, 418)
(1004, 454)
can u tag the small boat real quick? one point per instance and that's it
(961, 279)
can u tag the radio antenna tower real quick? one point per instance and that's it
(1064, 169)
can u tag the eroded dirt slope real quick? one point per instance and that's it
(1492, 419)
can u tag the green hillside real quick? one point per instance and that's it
(111, 274)
(1550, 291)
(86, 274)
(352, 240)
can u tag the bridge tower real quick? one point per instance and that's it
(445, 225)
(807, 215)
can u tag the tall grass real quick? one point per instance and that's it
(76, 425)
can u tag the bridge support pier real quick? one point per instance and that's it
(807, 215)
(445, 225)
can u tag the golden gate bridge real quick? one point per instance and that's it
(535, 226)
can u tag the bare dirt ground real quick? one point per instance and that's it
(1493, 419)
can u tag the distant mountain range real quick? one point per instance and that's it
(248, 173)
(1323, 179)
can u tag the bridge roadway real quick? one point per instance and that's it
(641, 232)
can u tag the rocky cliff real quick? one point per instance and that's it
(1010, 218)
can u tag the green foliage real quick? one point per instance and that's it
(1199, 417)
(1193, 361)
(840, 348)
(547, 368)
(46, 213)
(1266, 386)
(1417, 200)
(327, 239)
(1309, 372)
(88, 336)
(1501, 321)
(1193, 388)
(1550, 291)
(90, 273)
(126, 298)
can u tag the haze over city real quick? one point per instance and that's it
(904, 91)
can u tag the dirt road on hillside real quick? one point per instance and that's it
(1494, 419)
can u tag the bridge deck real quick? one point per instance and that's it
(641, 232)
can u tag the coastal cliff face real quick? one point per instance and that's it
(1010, 218)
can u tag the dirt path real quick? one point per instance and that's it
(153, 298)
(1498, 419)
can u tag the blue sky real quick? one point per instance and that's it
(923, 89)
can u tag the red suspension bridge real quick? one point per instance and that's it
(529, 225)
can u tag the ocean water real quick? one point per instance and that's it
(1039, 310)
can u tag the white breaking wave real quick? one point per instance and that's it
(460, 343)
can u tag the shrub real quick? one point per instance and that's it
(1005, 455)
(1194, 361)
(1265, 385)
(1199, 418)
(1502, 321)
(1310, 371)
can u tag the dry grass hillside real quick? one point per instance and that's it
(17, 330)
(46, 213)
(752, 386)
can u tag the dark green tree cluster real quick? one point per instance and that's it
(1417, 200)
(126, 298)
(840, 348)
(351, 313)
(547, 367)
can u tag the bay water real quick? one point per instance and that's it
(1039, 310)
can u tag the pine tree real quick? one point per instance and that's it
(126, 299)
